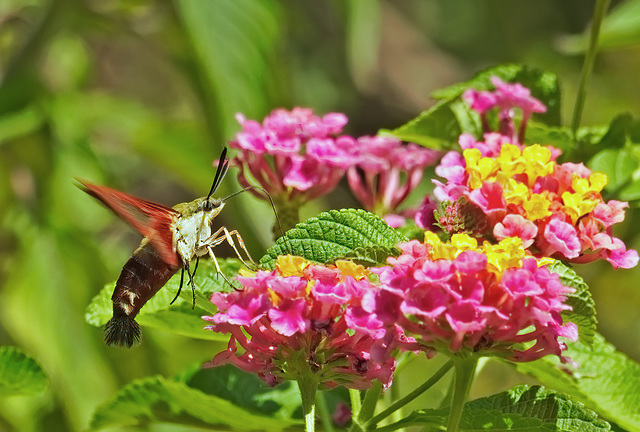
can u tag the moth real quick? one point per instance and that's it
(173, 237)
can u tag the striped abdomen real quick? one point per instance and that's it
(141, 278)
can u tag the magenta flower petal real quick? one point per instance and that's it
(563, 238)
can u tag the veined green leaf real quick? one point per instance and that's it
(607, 381)
(336, 234)
(20, 375)
(584, 308)
(522, 409)
(157, 399)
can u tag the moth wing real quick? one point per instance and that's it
(152, 220)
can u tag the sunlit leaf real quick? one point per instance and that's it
(583, 313)
(522, 409)
(334, 234)
(607, 381)
(209, 399)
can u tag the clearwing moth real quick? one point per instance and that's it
(173, 237)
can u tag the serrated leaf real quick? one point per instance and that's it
(522, 409)
(156, 399)
(20, 375)
(178, 317)
(372, 255)
(584, 308)
(607, 381)
(333, 234)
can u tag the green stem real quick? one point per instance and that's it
(465, 368)
(356, 407)
(589, 59)
(323, 410)
(414, 394)
(369, 403)
(308, 386)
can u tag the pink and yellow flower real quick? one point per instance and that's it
(462, 296)
(556, 209)
(299, 316)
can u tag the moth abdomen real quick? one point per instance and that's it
(141, 278)
(122, 331)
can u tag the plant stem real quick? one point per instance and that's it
(465, 368)
(414, 394)
(589, 59)
(308, 385)
(323, 410)
(369, 403)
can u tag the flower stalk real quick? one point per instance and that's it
(308, 385)
(465, 368)
(589, 59)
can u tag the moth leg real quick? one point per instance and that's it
(180, 287)
(217, 238)
(193, 285)
(215, 261)
(228, 235)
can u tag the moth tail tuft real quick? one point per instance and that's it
(122, 331)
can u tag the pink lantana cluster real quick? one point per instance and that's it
(296, 320)
(506, 98)
(384, 172)
(556, 209)
(293, 154)
(460, 296)
(298, 156)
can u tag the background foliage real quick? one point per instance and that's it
(141, 95)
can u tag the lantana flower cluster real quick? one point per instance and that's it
(293, 154)
(384, 172)
(296, 320)
(297, 156)
(556, 209)
(462, 296)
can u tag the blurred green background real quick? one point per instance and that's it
(140, 95)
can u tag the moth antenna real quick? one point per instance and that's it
(223, 166)
(273, 206)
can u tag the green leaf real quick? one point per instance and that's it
(335, 234)
(584, 308)
(20, 375)
(440, 126)
(543, 85)
(247, 391)
(371, 255)
(178, 317)
(559, 137)
(618, 165)
(607, 381)
(157, 399)
(522, 409)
